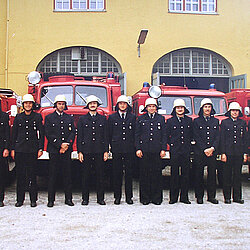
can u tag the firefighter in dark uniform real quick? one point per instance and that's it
(92, 147)
(27, 147)
(234, 151)
(151, 146)
(60, 132)
(121, 126)
(206, 135)
(179, 136)
(4, 150)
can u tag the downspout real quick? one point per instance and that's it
(7, 44)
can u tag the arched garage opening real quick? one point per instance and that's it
(192, 67)
(83, 61)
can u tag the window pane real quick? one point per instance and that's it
(48, 95)
(84, 91)
(167, 102)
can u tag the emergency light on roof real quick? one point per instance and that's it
(146, 84)
(154, 91)
(212, 86)
(34, 77)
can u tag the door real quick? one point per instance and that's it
(123, 82)
(238, 82)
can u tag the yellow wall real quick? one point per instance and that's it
(2, 40)
(35, 31)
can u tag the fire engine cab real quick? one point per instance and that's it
(192, 97)
(46, 86)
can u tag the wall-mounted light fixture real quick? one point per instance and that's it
(141, 40)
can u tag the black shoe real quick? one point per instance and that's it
(18, 204)
(199, 201)
(129, 201)
(1, 204)
(102, 202)
(69, 203)
(227, 201)
(33, 204)
(50, 204)
(85, 202)
(117, 202)
(185, 201)
(240, 201)
(213, 200)
(156, 203)
(145, 202)
(172, 202)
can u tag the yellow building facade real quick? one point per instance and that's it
(183, 43)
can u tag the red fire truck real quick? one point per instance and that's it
(166, 96)
(45, 86)
(242, 96)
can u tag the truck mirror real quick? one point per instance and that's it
(19, 101)
(13, 110)
(141, 107)
(247, 111)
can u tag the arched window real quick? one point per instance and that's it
(82, 61)
(192, 62)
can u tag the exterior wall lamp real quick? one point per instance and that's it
(141, 40)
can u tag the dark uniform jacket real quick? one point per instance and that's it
(179, 134)
(4, 131)
(58, 130)
(150, 134)
(92, 134)
(27, 133)
(206, 134)
(122, 133)
(233, 137)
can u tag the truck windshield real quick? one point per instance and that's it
(49, 93)
(219, 104)
(166, 103)
(84, 91)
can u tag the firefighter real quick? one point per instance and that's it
(4, 149)
(27, 147)
(121, 126)
(151, 145)
(60, 132)
(92, 147)
(234, 151)
(179, 136)
(206, 135)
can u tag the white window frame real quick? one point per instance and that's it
(100, 5)
(217, 67)
(172, 8)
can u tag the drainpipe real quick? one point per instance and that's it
(7, 44)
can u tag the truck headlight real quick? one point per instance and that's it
(34, 77)
(154, 91)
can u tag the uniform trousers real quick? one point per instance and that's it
(60, 161)
(179, 182)
(232, 177)
(3, 169)
(120, 160)
(96, 161)
(26, 177)
(150, 178)
(201, 161)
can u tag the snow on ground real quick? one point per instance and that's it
(177, 226)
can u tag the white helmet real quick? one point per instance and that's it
(179, 102)
(28, 98)
(151, 101)
(206, 101)
(123, 98)
(234, 105)
(93, 98)
(60, 98)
